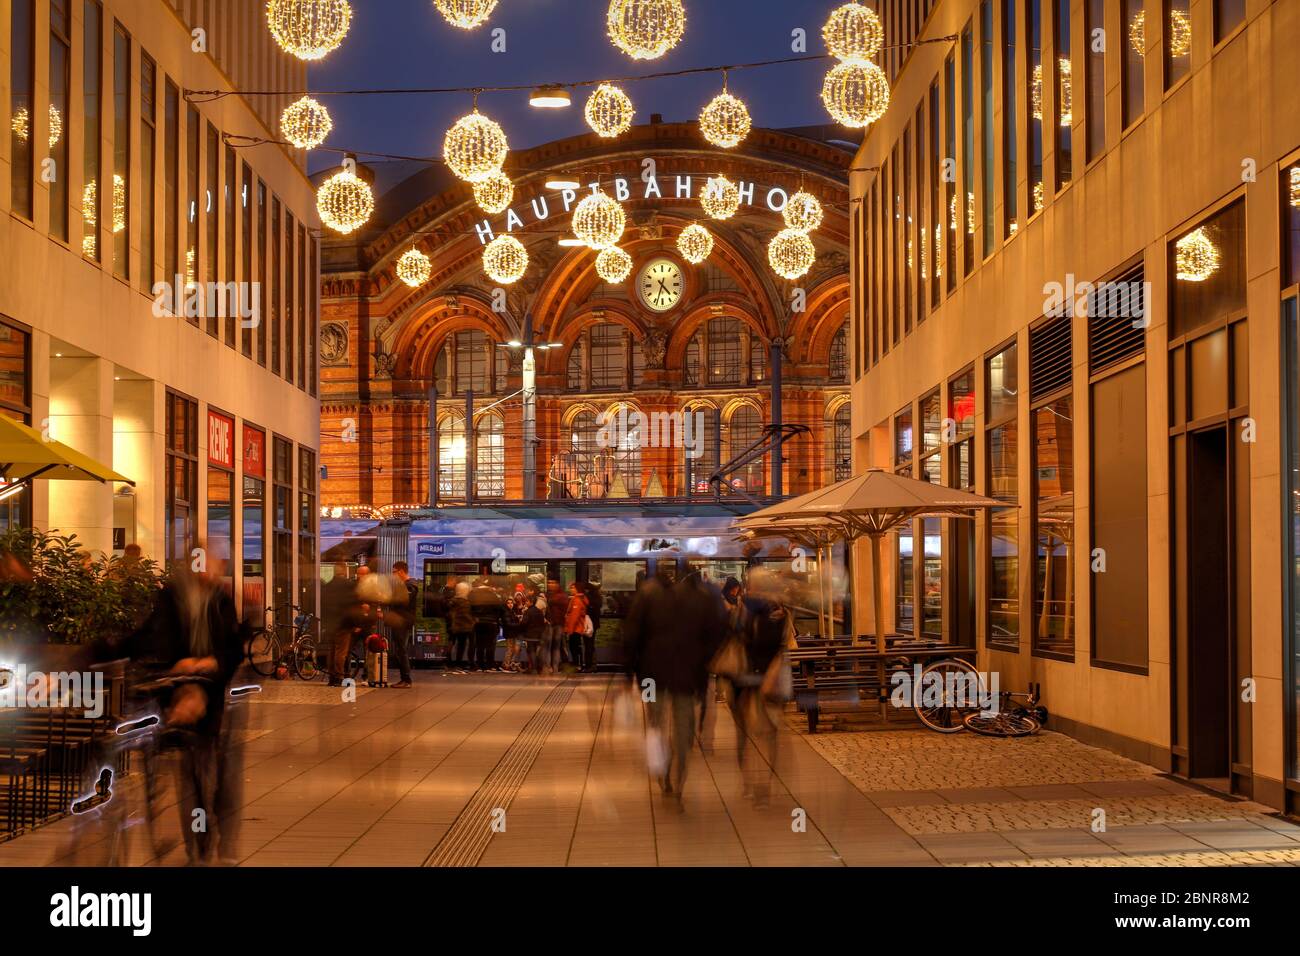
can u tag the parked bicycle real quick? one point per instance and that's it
(1011, 719)
(291, 645)
(948, 691)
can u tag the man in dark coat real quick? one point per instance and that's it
(672, 631)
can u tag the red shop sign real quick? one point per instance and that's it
(221, 439)
(254, 452)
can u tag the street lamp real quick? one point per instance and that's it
(530, 345)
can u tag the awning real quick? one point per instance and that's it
(25, 455)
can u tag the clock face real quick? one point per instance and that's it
(660, 285)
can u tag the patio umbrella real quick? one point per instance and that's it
(872, 504)
(25, 455)
(816, 533)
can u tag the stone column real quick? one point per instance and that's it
(81, 416)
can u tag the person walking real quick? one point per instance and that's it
(576, 622)
(513, 629)
(534, 621)
(672, 633)
(461, 622)
(341, 620)
(489, 614)
(400, 618)
(758, 695)
(556, 606)
(594, 610)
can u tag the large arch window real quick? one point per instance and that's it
(605, 359)
(745, 428)
(699, 454)
(839, 364)
(489, 460)
(451, 456)
(466, 362)
(724, 352)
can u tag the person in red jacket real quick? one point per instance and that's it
(575, 621)
(556, 605)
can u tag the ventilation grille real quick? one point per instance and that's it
(1117, 320)
(1049, 358)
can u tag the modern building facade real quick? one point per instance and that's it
(1076, 248)
(673, 339)
(165, 326)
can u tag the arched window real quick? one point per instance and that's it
(605, 359)
(626, 449)
(724, 352)
(842, 443)
(577, 472)
(451, 456)
(490, 462)
(466, 362)
(839, 364)
(699, 454)
(745, 428)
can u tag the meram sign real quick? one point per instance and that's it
(680, 187)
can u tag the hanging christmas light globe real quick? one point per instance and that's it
(1180, 33)
(791, 254)
(344, 202)
(1066, 99)
(646, 29)
(119, 203)
(305, 123)
(803, 211)
(1295, 186)
(90, 216)
(695, 243)
(853, 32)
(599, 221)
(856, 94)
(475, 148)
(56, 126)
(414, 268)
(613, 265)
(1040, 197)
(721, 198)
(505, 260)
(1137, 33)
(308, 29)
(1196, 257)
(609, 111)
(725, 120)
(21, 124)
(466, 14)
(495, 193)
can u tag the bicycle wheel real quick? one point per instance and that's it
(1002, 725)
(263, 652)
(947, 691)
(304, 660)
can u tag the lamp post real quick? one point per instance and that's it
(530, 347)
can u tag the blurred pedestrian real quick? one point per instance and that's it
(489, 615)
(534, 621)
(513, 628)
(576, 622)
(672, 633)
(556, 606)
(760, 689)
(340, 619)
(461, 622)
(400, 618)
(594, 611)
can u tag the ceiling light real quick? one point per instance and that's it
(570, 241)
(550, 98)
(562, 184)
(514, 343)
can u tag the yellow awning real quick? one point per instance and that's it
(24, 455)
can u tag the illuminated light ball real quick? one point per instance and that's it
(853, 32)
(613, 265)
(21, 124)
(609, 111)
(1040, 197)
(791, 254)
(1196, 257)
(1295, 186)
(505, 260)
(308, 29)
(56, 126)
(856, 94)
(1180, 33)
(599, 221)
(90, 218)
(305, 123)
(725, 121)
(646, 29)
(344, 202)
(475, 148)
(414, 268)
(466, 14)
(721, 198)
(495, 193)
(1137, 33)
(803, 212)
(695, 243)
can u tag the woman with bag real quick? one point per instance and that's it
(576, 621)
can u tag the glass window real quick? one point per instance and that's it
(91, 92)
(228, 186)
(254, 521)
(1034, 152)
(221, 504)
(1054, 571)
(60, 80)
(472, 361)
(931, 423)
(263, 271)
(288, 280)
(282, 524)
(743, 430)
(22, 80)
(842, 443)
(15, 402)
(758, 359)
(193, 137)
(302, 308)
(148, 201)
(932, 579)
(212, 217)
(988, 130)
(277, 287)
(171, 180)
(968, 148)
(691, 366)
(904, 604)
(490, 460)
(903, 442)
(1063, 88)
(182, 477)
(609, 355)
(1228, 15)
(1291, 222)
(1208, 263)
(961, 402)
(724, 351)
(1135, 53)
(950, 151)
(627, 457)
(1002, 382)
(247, 258)
(1010, 182)
(704, 420)
(307, 518)
(1178, 40)
(934, 222)
(451, 455)
(121, 149)
(1291, 520)
(577, 380)
(1094, 37)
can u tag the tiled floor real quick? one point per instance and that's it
(505, 770)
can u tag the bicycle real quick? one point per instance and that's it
(266, 652)
(945, 693)
(1018, 720)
